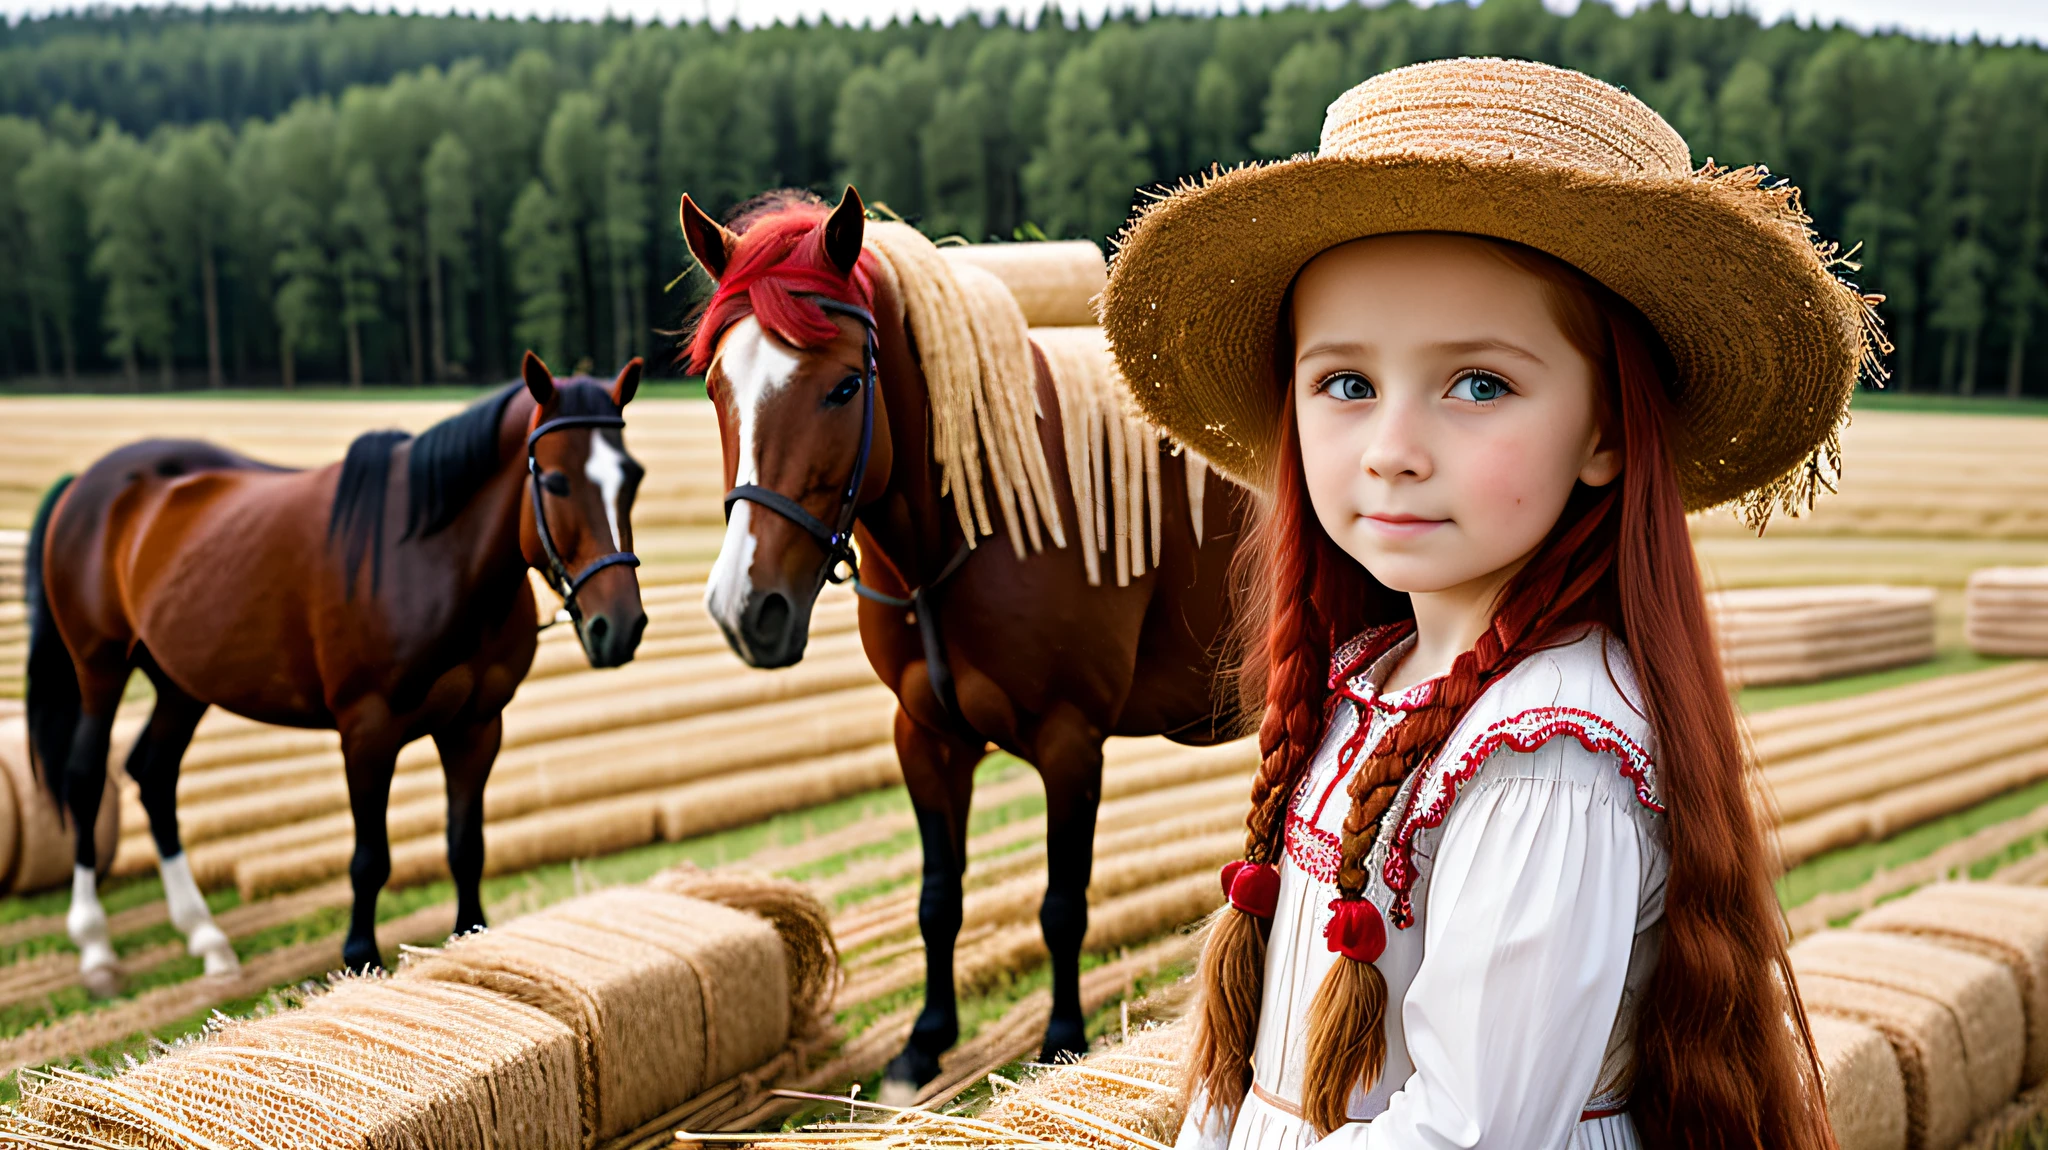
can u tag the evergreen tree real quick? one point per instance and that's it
(543, 261)
(368, 259)
(1304, 82)
(451, 222)
(1080, 180)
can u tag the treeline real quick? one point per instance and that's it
(264, 198)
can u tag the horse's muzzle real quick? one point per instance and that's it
(609, 639)
(772, 630)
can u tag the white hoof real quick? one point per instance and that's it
(894, 1093)
(210, 943)
(100, 971)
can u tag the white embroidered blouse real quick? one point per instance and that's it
(1528, 861)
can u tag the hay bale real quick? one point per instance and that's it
(375, 1063)
(2005, 611)
(1054, 283)
(2007, 924)
(666, 995)
(795, 913)
(748, 797)
(1109, 1099)
(1866, 1094)
(1802, 634)
(44, 849)
(1955, 1021)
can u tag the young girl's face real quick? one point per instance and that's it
(1444, 416)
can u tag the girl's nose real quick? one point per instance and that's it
(1395, 447)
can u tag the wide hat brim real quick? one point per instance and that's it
(1767, 342)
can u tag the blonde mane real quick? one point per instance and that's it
(975, 348)
(971, 342)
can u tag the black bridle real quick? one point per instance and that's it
(557, 572)
(837, 538)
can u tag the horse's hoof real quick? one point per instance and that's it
(101, 981)
(1064, 1042)
(211, 944)
(911, 1070)
(898, 1094)
(362, 958)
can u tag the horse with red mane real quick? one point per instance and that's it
(827, 429)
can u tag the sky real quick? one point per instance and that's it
(2001, 20)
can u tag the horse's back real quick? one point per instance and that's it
(192, 549)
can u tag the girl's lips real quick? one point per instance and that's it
(1403, 526)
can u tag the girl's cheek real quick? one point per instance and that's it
(1508, 479)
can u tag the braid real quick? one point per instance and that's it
(1347, 1018)
(1285, 680)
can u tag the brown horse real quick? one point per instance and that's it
(292, 598)
(1022, 653)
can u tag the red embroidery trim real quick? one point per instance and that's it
(1314, 850)
(1361, 649)
(1523, 733)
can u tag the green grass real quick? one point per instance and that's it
(1868, 400)
(1952, 661)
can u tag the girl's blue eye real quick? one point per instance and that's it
(1349, 385)
(1478, 387)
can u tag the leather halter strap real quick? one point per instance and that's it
(836, 538)
(557, 572)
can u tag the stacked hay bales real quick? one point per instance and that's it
(1954, 979)
(1774, 635)
(2005, 611)
(577, 1024)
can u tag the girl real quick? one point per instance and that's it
(1502, 884)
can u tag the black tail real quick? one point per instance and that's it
(53, 696)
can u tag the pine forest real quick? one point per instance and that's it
(263, 199)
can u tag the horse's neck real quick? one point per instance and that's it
(910, 520)
(486, 532)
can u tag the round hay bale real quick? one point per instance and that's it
(43, 844)
(1866, 1093)
(1055, 283)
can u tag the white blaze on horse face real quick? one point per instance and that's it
(607, 469)
(755, 367)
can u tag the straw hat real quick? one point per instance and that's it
(1767, 342)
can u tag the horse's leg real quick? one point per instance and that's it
(1070, 759)
(153, 764)
(938, 768)
(370, 752)
(100, 682)
(467, 751)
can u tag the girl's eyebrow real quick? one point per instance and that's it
(1468, 346)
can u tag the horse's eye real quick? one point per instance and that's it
(844, 393)
(556, 483)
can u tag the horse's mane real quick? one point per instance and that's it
(448, 464)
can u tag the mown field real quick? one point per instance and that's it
(1926, 499)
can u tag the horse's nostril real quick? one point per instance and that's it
(597, 629)
(773, 618)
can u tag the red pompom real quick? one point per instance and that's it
(1254, 888)
(1230, 870)
(1356, 929)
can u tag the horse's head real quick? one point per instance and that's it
(576, 525)
(788, 362)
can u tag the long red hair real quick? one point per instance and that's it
(1723, 1055)
(780, 258)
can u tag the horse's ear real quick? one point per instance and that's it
(710, 243)
(843, 232)
(538, 380)
(627, 383)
